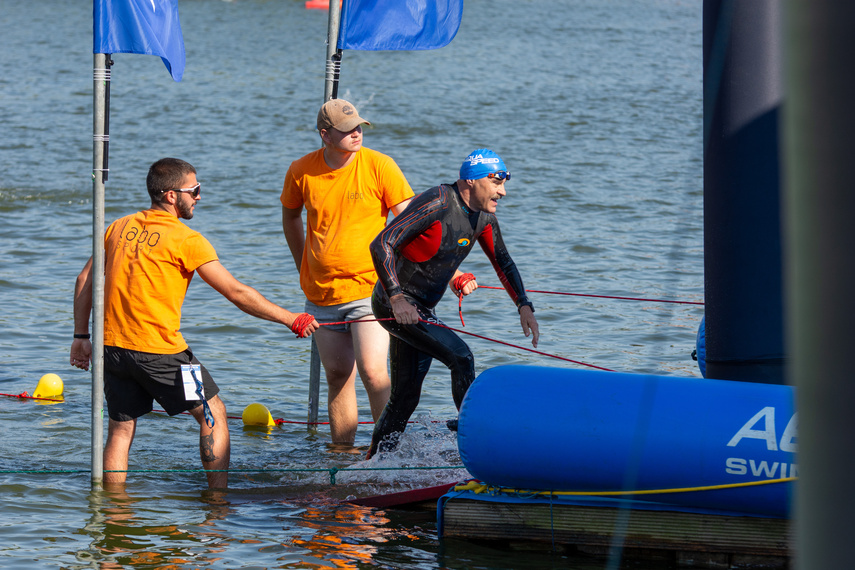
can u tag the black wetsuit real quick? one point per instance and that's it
(417, 255)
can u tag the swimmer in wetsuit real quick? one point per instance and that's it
(416, 257)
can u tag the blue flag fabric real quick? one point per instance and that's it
(141, 26)
(399, 24)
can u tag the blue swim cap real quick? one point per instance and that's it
(480, 163)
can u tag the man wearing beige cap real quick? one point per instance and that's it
(348, 191)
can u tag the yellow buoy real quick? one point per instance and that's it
(257, 415)
(49, 386)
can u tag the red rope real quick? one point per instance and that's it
(520, 347)
(459, 283)
(25, 396)
(304, 319)
(277, 421)
(357, 321)
(280, 421)
(601, 296)
(299, 325)
(483, 338)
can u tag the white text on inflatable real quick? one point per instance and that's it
(762, 427)
(768, 433)
(769, 470)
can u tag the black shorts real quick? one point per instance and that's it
(133, 380)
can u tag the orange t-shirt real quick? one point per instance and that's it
(150, 259)
(345, 209)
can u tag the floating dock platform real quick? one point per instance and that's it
(698, 472)
(594, 525)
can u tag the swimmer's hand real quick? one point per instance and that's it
(462, 283)
(529, 324)
(404, 311)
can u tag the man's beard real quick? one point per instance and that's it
(185, 209)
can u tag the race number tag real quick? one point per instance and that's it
(191, 374)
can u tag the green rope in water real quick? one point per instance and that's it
(45, 471)
(332, 470)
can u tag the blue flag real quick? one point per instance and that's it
(141, 26)
(399, 24)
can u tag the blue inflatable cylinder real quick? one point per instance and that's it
(539, 428)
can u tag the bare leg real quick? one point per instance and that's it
(336, 352)
(214, 444)
(120, 436)
(371, 346)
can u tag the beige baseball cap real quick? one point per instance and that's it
(340, 115)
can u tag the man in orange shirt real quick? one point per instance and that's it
(348, 191)
(150, 258)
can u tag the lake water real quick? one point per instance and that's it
(595, 105)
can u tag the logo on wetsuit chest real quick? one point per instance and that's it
(463, 242)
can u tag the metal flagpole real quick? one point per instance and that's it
(333, 61)
(314, 386)
(818, 139)
(101, 138)
(333, 66)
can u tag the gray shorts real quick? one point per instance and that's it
(351, 311)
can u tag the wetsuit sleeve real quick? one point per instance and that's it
(425, 209)
(493, 245)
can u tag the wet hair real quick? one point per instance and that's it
(166, 174)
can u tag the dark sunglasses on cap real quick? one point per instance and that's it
(194, 191)
(501, 175)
